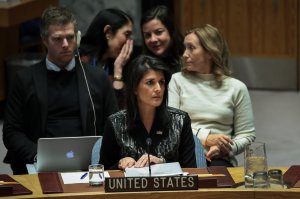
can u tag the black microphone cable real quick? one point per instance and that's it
(88, 89)
(148, 142)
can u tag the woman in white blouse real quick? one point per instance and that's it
(219, 105)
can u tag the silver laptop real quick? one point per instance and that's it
(65, 153)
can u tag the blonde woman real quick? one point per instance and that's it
(219, 105)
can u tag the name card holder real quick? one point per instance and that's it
(208, 183)
(11, 187)
(6, 190)
(292, 177)
(158, 183)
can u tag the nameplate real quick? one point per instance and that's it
(158, 183)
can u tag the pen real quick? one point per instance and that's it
(210, 175)
(83, 176)
(3, 183)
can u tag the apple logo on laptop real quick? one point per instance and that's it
(70, 154)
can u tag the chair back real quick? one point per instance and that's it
(96, 151)
(199, 151)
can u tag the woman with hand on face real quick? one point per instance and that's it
(161, 38)
(107, 44)
(147, 116)
(219, 105)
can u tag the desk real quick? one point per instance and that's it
(11, 15)
(32, 182)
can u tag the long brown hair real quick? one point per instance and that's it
(213, 43)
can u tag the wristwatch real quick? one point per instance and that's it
(118, 78)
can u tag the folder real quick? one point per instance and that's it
(220, 181)
(50, 182)
(292, 177)
(12, 189)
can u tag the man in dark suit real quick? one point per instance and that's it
(57, 97)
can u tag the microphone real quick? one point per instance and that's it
(148, 142)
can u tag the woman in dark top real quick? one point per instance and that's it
(147, 116)
(162, 38)
(107, 44)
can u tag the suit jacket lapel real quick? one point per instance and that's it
(40, 82)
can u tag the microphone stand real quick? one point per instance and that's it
(148, 142)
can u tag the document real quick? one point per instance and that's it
(166, 169)
(77, 177)
(31, 168)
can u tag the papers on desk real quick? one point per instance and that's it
(75, 177)
(166, 169)
(31, 168)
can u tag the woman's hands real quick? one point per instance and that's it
(123, 58)
(142, 162)
(126, 162)
(219, 145)
(120, 62)
(213, 152)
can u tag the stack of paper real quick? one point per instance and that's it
(76, 177)
(166, 169)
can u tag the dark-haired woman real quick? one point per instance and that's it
(162, 38)
(107, 44)
(147, 116)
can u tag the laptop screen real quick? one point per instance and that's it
(65, 153)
